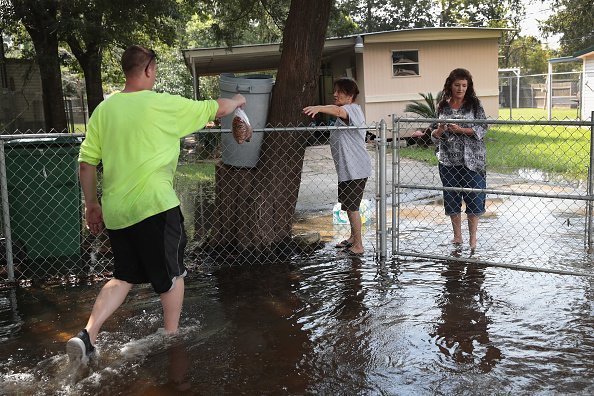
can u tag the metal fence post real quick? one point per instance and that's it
(395, 185)
(6, 214)
(590, 188)
(377, 190)
(383, 248)
(511, 97)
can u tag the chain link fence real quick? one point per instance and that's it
(531, 92)
(229, 210)
(282, 196)
(538, 197)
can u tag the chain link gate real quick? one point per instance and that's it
(539, 197)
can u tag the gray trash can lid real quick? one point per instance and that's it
(251, 83)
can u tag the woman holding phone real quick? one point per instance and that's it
(461, 152)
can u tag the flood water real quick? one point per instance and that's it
(328, 325)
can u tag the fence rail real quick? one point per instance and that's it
(539, 202)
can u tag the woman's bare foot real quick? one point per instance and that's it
(355, 249)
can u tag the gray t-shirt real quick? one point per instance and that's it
(348, 146)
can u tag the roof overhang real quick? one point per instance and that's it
(584, 53)
(433, 34)
(251, 58)
(563, 59)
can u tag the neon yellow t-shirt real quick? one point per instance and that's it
(136, 136)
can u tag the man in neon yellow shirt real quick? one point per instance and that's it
(135, 134)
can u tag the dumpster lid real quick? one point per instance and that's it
(45, 141)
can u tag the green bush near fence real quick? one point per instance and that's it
(551, 149)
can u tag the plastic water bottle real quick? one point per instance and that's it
(365, 210)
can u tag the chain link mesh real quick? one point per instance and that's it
(518, 93)
(538, 199)
(538, 196)
(232, 213)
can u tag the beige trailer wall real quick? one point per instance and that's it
(385, 94)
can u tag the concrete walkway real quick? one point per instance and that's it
(319, 183)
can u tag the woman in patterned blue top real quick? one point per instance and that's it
(461, 152)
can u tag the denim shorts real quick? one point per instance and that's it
(461, 176)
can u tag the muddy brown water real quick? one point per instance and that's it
(327, 325)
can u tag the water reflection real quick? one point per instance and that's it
(543, 176)
(177, 380)
(326, 325)
(268, 345)
(10, 320)
(351, 306)
(462, 333)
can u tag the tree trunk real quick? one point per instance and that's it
(255, 207)
(42, 25)
(46, 48)
(90, 62)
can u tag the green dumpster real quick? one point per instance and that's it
(44, 197)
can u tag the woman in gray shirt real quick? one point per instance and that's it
(461, 152)
(352, 162)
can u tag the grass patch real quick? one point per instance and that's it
(424, 154)
(559, 150)
(196, 172)
(551, 149)
(539, 114)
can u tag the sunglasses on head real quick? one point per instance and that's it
(152, 55)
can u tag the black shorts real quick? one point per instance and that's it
(350, 194)
(151, 251)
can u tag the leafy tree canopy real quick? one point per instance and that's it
(574, 20)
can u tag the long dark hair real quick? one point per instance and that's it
(471, 101)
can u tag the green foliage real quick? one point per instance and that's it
(380, 15)
(574, 20)
(17, 41)
(195, 172)
(238, 22)
(502, 13)
(528, 54)
(198, 32)
(426, 108)
(341, 24)
(172, 74)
